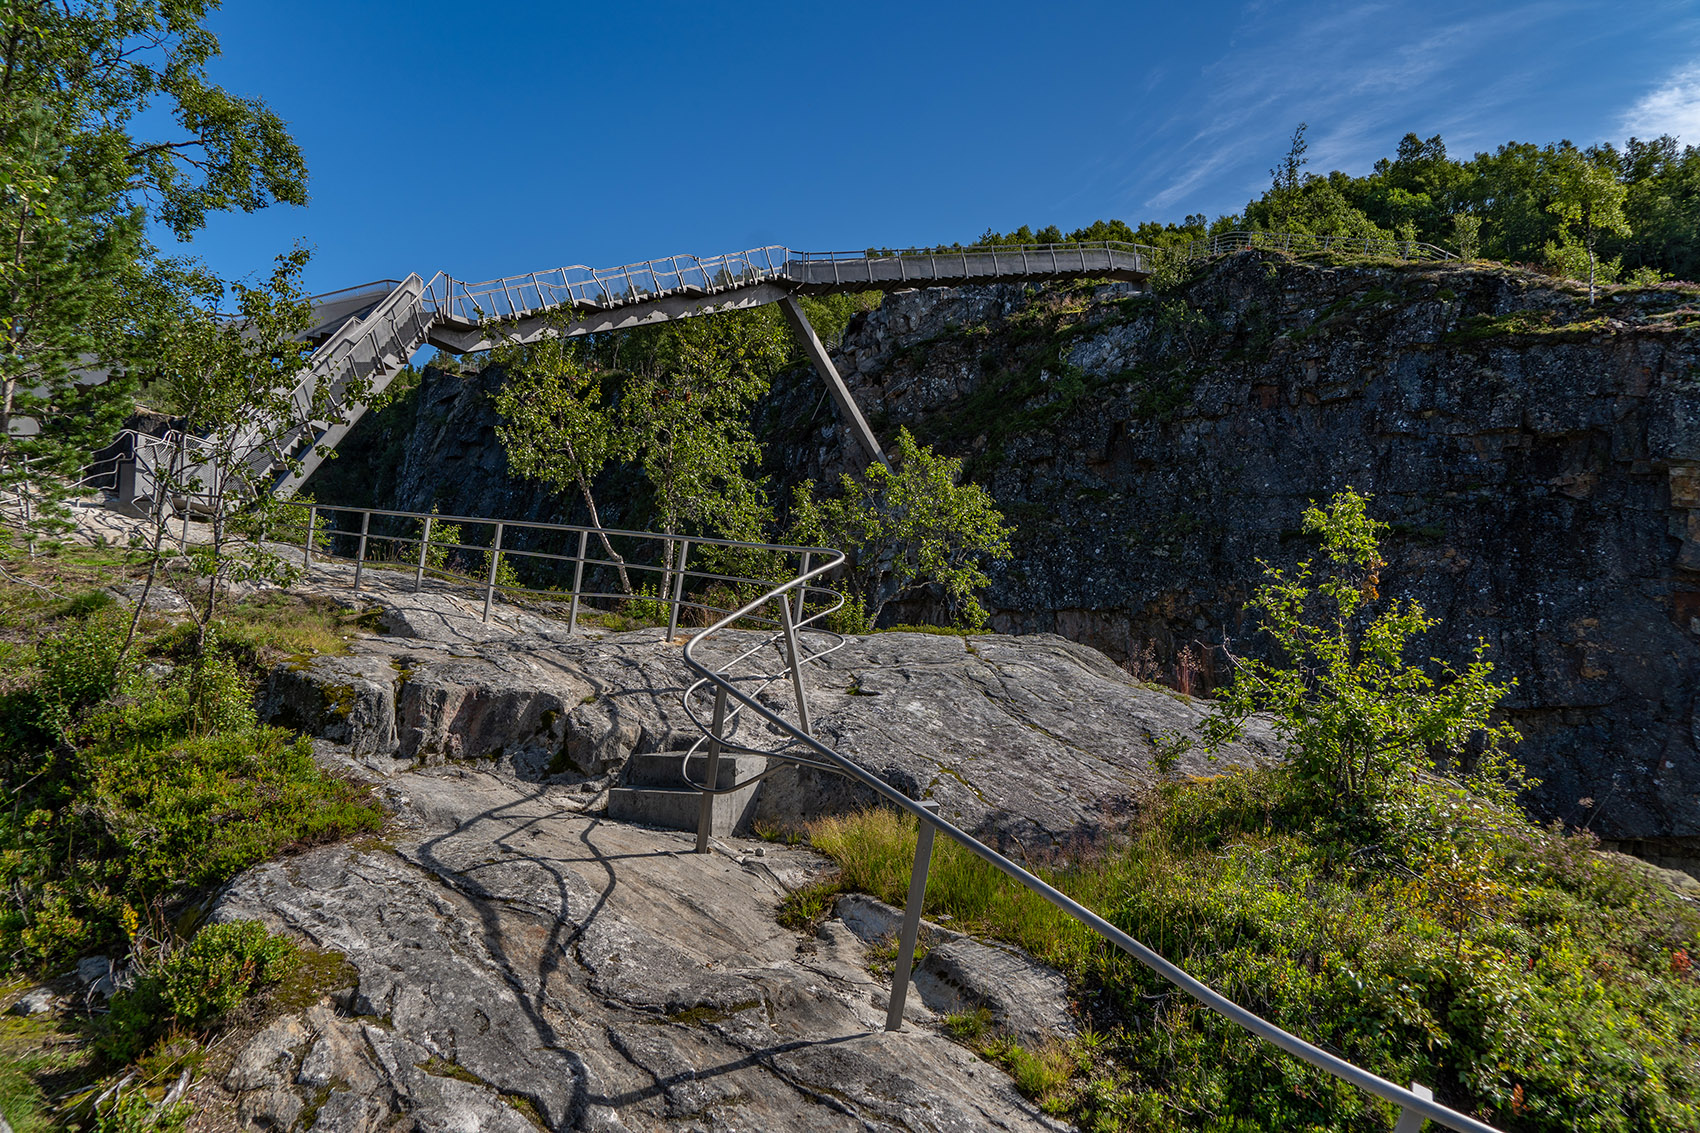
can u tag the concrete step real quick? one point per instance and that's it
(665, 769)
(654, 793)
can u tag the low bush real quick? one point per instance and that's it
(191, 987)
(126, 790)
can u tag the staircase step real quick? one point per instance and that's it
(665, 769)
(655, 794)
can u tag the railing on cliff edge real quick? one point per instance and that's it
(726, 695)
(530, 293)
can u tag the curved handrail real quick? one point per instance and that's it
(1410, 1102)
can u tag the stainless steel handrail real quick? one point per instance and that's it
(1415, 1104)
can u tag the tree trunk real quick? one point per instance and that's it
(596, 522)
(147, 585)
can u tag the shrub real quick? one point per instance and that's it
(192, 986)
(1522, 975)
(220, 697)
(78, 666)
(908, 527)
(1358, 722)
(143, 804)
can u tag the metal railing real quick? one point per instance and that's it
(724, 689)
(363, 350)
(1304, 242)
(374, 348)
(1038, 252)
(517, 296)
(669, 563)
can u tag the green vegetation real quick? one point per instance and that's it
(907, 527)
(1360, 724)
(559, 425)
(675, 402)
(1588, 214)
(108, 120)
(1379, 894)
(136, 782)
(190, 987)
(131, 791)
(1588, 201)
(1524, 976)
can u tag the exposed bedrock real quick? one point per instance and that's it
(1035, 738)
(517, 965)
(1539, 461)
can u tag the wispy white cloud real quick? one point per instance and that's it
(1671, 108)
(1360, 73)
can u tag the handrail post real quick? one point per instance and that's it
(360, 555)
(1410, 1121)
(578, 581)
(312, 527)
(678, 588)
(911, 919)
(490, 581)
(803, 590)
(424, 546)
(793, 661)
(711, 780)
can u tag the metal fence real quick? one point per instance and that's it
(1304, 242)
(348, 535)
(517, 296)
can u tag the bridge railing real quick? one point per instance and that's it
(945, 252)
(516, 296)
(361, 351)
(1305, 242)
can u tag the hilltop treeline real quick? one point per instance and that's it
(1522, 203)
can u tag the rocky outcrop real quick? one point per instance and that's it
(958, 974)
(1535, 457)
(346, 700)
(520, 964)
(1036, 739)
(1539, 461)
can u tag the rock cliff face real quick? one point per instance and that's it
(1539, 461)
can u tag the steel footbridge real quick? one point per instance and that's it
(365, 336)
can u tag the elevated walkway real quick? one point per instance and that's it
(365, 335)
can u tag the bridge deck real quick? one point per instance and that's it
(370, 332)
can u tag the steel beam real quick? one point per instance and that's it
(847, 407)
(464, 339)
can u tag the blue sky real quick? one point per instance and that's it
(498, 138)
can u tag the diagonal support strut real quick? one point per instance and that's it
(847, 407)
